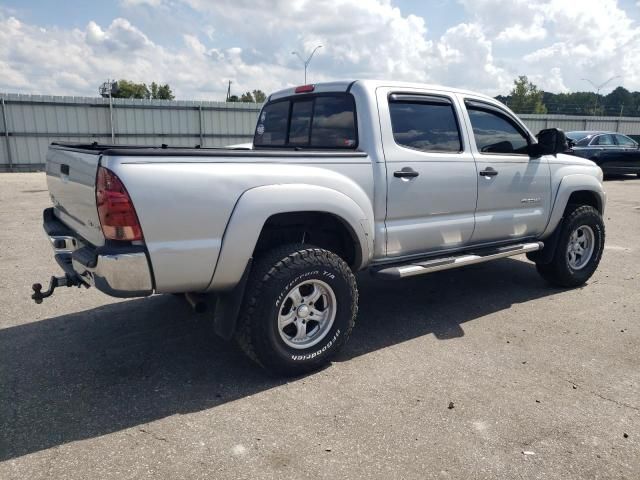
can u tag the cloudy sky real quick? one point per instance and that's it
(70, 46)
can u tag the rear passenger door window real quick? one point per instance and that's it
(496, 133)
(625, 141)
(603, 141)
(425, 123)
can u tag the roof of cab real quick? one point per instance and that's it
(346, 85)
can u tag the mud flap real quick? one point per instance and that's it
(545, 256)
(228, 306)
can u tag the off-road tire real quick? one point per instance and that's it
(559, 272)
(271, 277)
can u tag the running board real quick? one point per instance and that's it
(435, 265)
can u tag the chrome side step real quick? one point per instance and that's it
(435, 265)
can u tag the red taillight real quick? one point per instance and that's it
(305, 89)
(115, 208)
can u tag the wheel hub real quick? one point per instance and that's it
(307, 314)
(303, 311)
(580, 248)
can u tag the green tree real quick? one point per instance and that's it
(526, 97)
(618, 101)
(161, 92)
(247, 97)
(129, 89)
(259, 96)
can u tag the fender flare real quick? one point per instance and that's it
(570, 184)
(256, 205)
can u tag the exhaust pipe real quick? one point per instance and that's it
(197, 301)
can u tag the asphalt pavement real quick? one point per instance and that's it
(479, 373)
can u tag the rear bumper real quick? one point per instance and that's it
(118, 271)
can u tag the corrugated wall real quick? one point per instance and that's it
(626, 125)
(29, 123)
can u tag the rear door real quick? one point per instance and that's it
(627, 159)
(514, 190)
(71, 179)
(431, 174)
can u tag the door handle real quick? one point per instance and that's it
(489, 172)
(406, 172)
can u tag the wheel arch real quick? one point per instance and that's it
(315, 227)
(260, 208)
(578, 188)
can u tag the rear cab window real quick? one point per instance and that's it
(316, 121)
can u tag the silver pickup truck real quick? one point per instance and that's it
(401, 179)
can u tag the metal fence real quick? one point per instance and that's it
(31, 122)
(626, 125)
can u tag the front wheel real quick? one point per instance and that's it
(300, 307)
(579, 248)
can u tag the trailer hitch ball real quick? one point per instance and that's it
(66, 281)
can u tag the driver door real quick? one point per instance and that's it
(514, 190)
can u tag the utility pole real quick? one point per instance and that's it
(600, 87)
(307, 61)
(229, 91)
(107, 89)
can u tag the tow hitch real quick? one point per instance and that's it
(66, 281)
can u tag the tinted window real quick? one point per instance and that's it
(430, 127)
(585, 141)
(272, 124)
(333, 122)
(495, 133)
(603, 140)
(300, 123)
(625, 141)
(320, 121)
(578, 138)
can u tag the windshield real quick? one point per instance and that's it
(311, 121)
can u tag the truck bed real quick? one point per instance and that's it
(167, 151)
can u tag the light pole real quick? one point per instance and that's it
(307, 61)
(600, 87)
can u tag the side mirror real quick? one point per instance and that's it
(551, 141)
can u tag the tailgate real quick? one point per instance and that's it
(71, 177)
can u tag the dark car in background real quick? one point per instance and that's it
(613, 152)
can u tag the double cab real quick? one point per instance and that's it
(398, 178)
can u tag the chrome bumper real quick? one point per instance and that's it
(117, 271)
(118, 275)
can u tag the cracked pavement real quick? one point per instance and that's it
(483, 372)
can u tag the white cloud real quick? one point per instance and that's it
(524, 33)
(135, 3)
(249, 42)
(596, 41)
(466, 60)
(508, 20)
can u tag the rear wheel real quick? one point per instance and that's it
(299, 309)
(579, 248)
